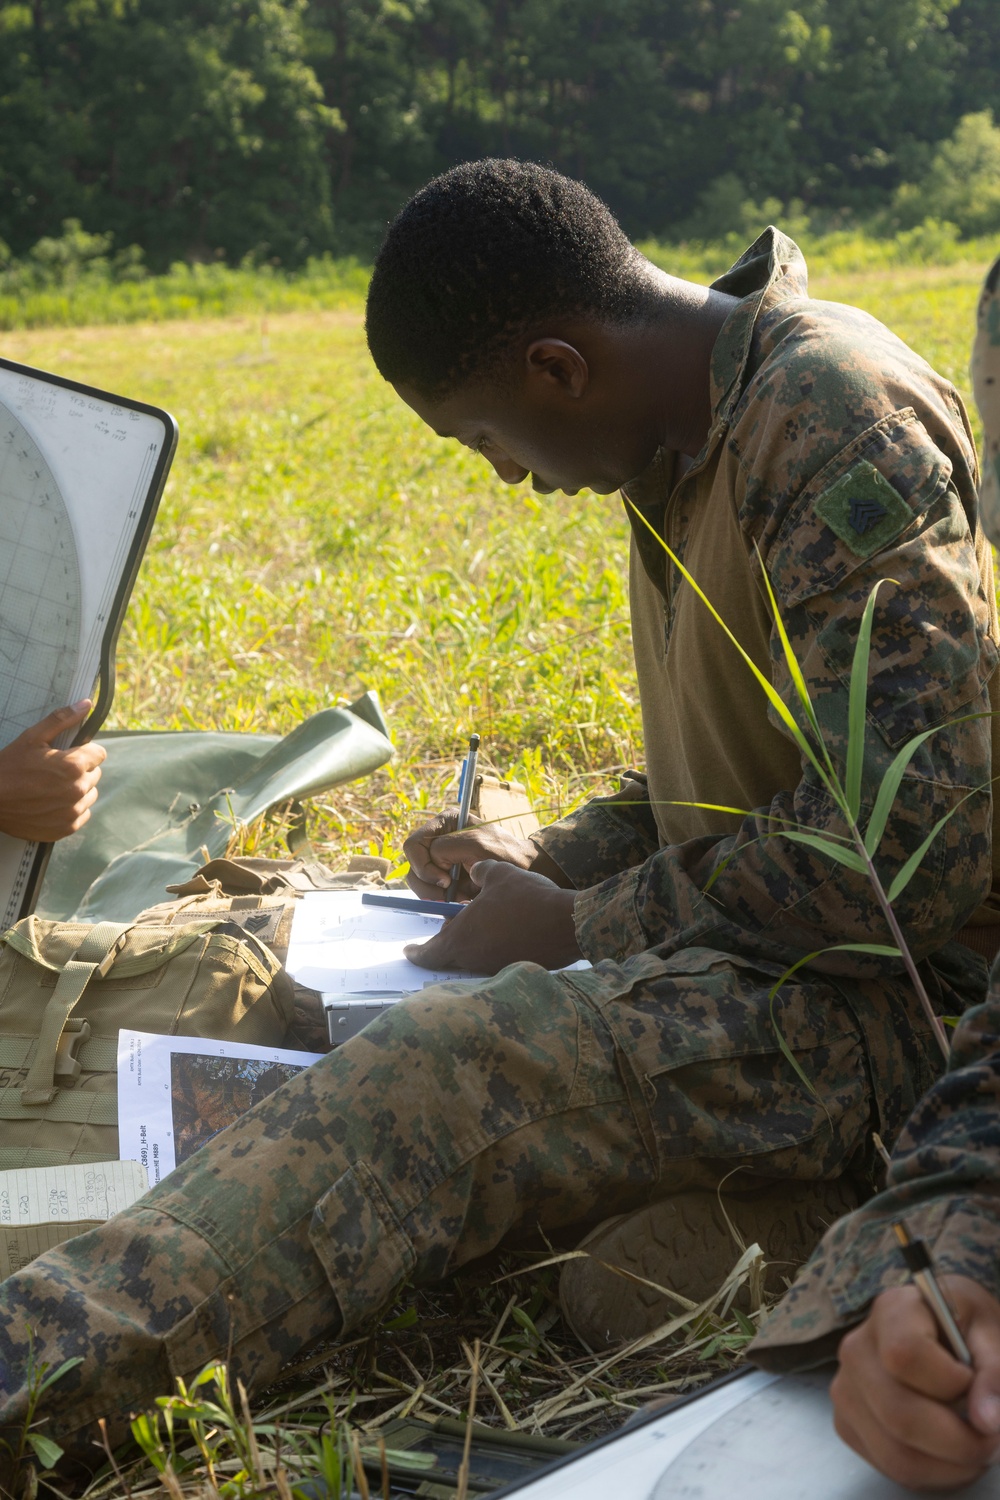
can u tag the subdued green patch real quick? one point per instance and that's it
(864, 510)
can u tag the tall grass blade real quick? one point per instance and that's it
(858, 704)
(843, 856)
(906, 874)
(773, 696)
(739, 812)
(892, 778)
(791, 661)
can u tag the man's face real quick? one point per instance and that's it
(538, 429)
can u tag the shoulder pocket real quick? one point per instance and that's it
(864, 500)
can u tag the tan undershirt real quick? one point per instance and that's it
(704, 717)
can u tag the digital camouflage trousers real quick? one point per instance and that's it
(453, 1122)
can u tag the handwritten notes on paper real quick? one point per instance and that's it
(40, 1207)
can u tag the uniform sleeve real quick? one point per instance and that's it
(604, 837)
(944, 1181)
(882, 508)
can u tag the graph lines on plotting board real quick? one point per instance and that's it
(40, 613)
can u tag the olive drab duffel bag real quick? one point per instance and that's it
(66, 988)
(260, 896)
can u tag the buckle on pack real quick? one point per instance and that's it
(68, 1067)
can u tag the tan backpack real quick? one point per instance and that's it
(66, 988)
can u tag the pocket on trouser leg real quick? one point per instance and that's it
(363, 1248)
(705, 1046)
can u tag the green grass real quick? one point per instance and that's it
(315, 539)
(90, 294)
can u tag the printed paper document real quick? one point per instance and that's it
(176, 1092)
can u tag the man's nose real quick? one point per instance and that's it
(509, 471)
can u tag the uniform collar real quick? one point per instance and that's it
(771, 270)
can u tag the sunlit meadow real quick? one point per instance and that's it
(315, 539)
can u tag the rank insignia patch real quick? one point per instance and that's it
(864, 510)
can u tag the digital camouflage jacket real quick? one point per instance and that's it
(845, 460)
(945, 1172)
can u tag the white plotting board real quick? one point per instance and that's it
(39, 583)
(81, 474)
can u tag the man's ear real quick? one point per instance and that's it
(557, 366)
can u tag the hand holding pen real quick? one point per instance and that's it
(917, 1393)
(466, 790)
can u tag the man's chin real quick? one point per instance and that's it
(547, 487)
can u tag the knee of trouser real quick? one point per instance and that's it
(362, 1245)
(469, 1064)
(102, 1301)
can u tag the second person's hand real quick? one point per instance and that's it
(47, 793)
(896, 1395)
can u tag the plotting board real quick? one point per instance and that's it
(81, 474)
(752, 1437)
(39, 583)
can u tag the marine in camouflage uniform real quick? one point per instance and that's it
(459, 1120)
(945, 1173)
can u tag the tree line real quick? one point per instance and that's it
(284, 129)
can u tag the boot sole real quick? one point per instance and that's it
(684, 1243)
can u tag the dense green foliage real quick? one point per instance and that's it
(288, 128)
(74, 279)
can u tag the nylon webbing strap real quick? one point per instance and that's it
(98, 1055)
(68, 1107)
(14, 1157)
(97, 947)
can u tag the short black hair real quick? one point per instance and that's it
(480, 255)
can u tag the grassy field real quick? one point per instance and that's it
(316, 540)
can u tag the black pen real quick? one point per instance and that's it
(921, 1268)
(411, 903)
(466, 791)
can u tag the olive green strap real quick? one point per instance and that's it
(98, 1054)
(94, 955)
(68, 1107)
(14, 1157)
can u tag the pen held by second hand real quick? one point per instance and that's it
(921, 1268)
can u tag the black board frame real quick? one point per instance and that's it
(147, 515)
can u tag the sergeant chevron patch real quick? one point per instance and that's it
(863, 509)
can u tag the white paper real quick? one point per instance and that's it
(340, 946)
(176, 1092)
(41, 1207)
(91, 1190)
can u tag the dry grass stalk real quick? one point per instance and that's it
(463, 1473)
